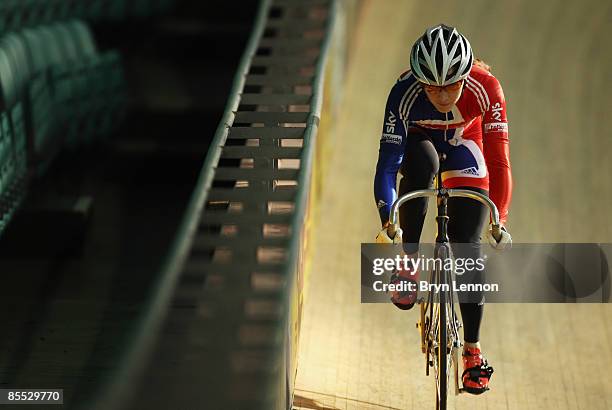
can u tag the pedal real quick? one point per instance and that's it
(462, 390)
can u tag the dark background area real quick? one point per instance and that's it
(74, 282)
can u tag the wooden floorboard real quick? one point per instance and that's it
(549, 58)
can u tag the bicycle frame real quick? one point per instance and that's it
(438, 323)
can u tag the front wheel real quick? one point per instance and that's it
(442, 391)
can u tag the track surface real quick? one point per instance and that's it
(552, 59)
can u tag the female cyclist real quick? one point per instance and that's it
(451, 104)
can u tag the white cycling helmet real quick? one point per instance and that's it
(441, 56)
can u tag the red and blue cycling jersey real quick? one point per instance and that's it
(474, 135)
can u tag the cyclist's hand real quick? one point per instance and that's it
(384, 236)
(504, 242)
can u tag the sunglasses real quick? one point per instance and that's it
(434, 89)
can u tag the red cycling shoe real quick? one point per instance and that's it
(477, 372)
(405, 299)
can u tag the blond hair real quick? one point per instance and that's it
(478, 62)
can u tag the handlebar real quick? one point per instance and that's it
(444, 192)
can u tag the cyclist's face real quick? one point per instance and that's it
(443, 98)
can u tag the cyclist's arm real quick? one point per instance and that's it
(390, 155)
(497, 148)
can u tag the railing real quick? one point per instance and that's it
(227, 305)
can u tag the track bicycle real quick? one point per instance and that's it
(438, 323)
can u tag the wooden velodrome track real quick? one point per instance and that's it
(553, 60)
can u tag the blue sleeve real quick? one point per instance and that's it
(390, 155)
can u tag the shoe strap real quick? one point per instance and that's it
(472, 351)
(477, 372)
(472, 357)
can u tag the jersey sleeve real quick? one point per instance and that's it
(390, 154)
(497, 148)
